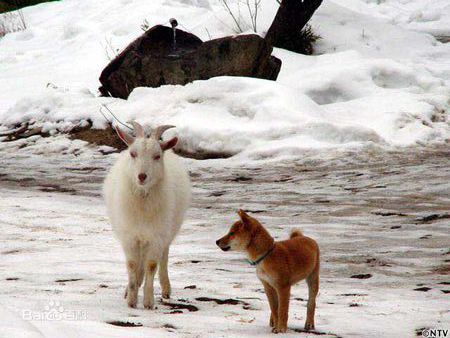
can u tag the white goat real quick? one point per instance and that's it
(147, 193)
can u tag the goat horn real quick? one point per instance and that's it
(138, 130)
(160, 130)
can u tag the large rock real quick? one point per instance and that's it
(153, 60)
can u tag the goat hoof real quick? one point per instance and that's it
(131, 301)
(165, 290)
(149, 305)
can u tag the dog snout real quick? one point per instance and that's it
(222, 246)
(142, 177)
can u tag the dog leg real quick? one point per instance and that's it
(273, 303)
(313, 289)
(164, 275)
(284, 294)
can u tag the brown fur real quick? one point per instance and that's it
(289, 262)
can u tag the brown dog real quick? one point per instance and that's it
(279, 265)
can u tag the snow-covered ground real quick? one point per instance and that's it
(63, 274)
(378, 76)
(350, 145)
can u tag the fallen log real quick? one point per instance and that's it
(23, 127)
(23, 132)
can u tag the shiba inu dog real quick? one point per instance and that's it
(279, 265)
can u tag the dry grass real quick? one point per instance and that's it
(307, 40)
(237, 13)
(11, 22)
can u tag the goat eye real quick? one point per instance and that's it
(133, 154)
(231, 233)
(157, 157)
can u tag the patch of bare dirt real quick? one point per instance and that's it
(106, 137)
(124, 324)
(180, 306)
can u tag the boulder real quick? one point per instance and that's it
(156, 59)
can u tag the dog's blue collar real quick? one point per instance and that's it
(260, 259)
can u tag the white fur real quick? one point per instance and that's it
(146, 218)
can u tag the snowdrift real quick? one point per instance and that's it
(377, 78)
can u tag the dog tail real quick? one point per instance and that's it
(295, 233)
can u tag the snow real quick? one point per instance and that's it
(432, 16)
(356, 130)
(377, 77)
(14, 326)
(64, 272)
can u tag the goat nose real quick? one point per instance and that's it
(217, 242)
(142, 177)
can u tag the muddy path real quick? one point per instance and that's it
(381, 220)
(396, 204)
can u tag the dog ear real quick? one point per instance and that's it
(244, 217)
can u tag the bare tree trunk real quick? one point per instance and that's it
(292, 16)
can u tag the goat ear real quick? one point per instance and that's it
(244, 217)
(127, 139)
(169, 144)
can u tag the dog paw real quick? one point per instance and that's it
(309, 326)
(279, 330)
(272, 322)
